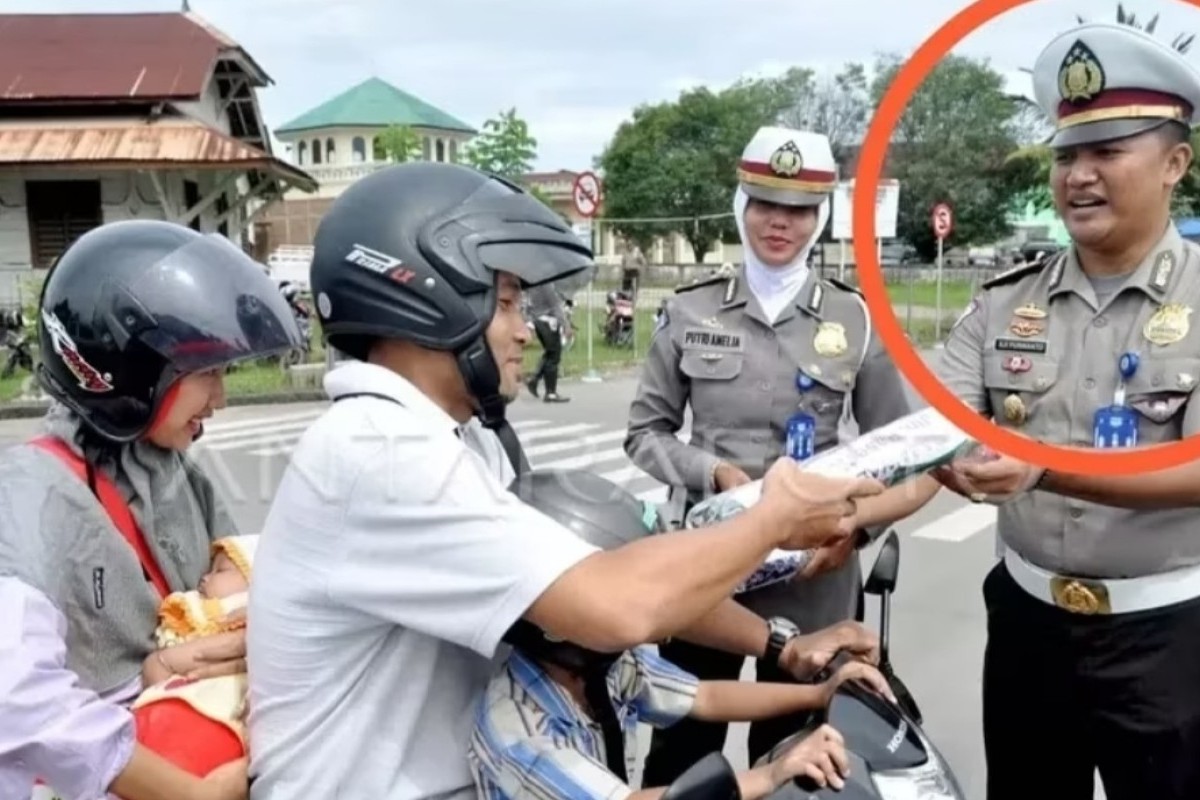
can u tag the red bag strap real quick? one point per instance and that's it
(118, 510)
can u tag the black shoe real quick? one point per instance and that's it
(555, 397)
(532, 387)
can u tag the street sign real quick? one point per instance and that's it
(586, 194)
(943, 221)
(887, 205)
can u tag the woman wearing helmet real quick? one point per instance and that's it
(103, 514)
(773, 360)
(529, 742)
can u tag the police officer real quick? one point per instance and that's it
(546, 310)
(769, 354)
(1094, 610)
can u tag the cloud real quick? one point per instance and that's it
(576, 68)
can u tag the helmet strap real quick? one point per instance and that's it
(478, 367)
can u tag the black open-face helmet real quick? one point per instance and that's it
(131, 307)
(412, 252)
(601, 513)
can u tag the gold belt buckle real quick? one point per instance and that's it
(1080, 596)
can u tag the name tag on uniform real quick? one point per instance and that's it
(1020, 346)
(702, 339)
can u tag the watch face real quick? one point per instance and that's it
(783, 628)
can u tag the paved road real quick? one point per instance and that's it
(938, 620)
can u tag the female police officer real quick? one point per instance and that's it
(137, 320)
(768, 356)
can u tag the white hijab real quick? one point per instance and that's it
(775, 287)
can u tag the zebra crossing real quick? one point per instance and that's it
(547, 444)
(562, 445)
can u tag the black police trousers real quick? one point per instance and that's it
(675, 749)
(552, 344)
(1066, 694)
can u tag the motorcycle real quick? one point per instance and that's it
(16, 341)
(890, 757)
(618, 321)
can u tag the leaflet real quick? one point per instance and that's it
(912, 445)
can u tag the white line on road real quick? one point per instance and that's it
(958, 525)
(259, 422)
(574, 444)
(584, 461)
(559, 430)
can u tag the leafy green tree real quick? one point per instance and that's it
(952, 145)
(505, 147)
(678, 160)
(398, 144)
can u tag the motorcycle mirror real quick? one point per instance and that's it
(882, 579)
(710, 778)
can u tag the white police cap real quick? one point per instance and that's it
(788, 167)
(1103, 81)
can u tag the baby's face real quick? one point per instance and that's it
(224, 579)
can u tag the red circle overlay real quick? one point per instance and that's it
(1078, 460)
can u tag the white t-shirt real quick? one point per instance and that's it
(392, 561)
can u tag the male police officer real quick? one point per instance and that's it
(1094, 613)
(770, 353)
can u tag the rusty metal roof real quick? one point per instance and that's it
(133, 142)
(109, 56)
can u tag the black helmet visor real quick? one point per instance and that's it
(207, 305)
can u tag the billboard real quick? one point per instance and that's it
(887, 206)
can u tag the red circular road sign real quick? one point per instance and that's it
(943, 220)
(586, 194)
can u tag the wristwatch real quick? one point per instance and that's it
(780, 631)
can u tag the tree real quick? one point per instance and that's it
(951, 145)
(838, 106)
(398, 144)
(505, 147)
(678, 160)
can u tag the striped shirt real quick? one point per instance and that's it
(532, 741)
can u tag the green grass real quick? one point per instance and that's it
(255, 378)
(955, 294)
(10, 388)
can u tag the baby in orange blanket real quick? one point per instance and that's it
(198, 724)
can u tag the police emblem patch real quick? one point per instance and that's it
(1081, 77)
(787, 161)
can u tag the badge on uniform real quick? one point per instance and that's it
(1117, 425)
(1017, 364)
(830, 340)
(801, 441)
(1170, 324)
(1014, 409)
(1028, 320)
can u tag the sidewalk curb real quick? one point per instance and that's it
(25, 409)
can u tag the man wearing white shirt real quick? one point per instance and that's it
(393, 559)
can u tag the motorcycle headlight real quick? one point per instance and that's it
(930, 781)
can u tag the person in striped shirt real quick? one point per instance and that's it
(558, 721)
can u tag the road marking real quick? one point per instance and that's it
(573, 444)
(585, 461)
(259, 422)
(959, 525)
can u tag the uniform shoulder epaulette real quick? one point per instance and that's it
(1017, 273)
(709, 281)
(845, 287)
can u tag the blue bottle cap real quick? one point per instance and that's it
(803, 382)
(1128, 365)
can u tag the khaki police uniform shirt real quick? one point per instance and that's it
(719, 354)
(1046, 376)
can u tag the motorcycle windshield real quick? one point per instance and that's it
(876, 730)
(208, 305)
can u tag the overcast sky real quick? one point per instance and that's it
(574, 69)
